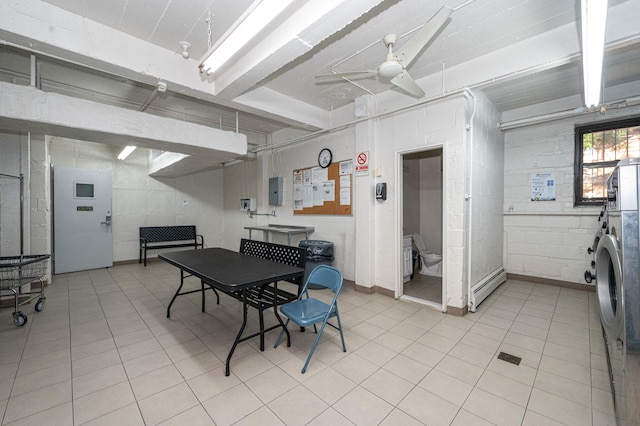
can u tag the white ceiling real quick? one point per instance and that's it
(520, 52)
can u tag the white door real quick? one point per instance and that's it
(82, 219)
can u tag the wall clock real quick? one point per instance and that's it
(324, 158)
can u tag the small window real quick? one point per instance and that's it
(599, 147)
(84, 190)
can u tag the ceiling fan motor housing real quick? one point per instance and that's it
(390, 68)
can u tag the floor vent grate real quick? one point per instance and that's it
(509, 358)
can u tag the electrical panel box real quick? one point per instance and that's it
(275, 191)
(247, 204)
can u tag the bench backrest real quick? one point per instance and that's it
(154, 234)
(289, 255)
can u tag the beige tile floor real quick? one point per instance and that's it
(425, 287)
(103, 353)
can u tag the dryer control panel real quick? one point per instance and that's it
(612, 190)
(623, 186)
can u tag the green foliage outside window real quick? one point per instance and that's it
(598, 150)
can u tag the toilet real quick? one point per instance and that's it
(430, 263)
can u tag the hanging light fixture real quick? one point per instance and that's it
(185, 45)
(257, 16)
(594, 19)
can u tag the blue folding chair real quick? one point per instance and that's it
(306, 311)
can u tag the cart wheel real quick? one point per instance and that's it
(19, 319)
(40, 305)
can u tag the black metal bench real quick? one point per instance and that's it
(156, 237)
(289, 255)
(260, 298)
(269, 296)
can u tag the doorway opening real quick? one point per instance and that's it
(422, 227)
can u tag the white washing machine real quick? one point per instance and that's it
(602, 227)
(618, 289)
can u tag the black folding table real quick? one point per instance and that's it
(233, 273)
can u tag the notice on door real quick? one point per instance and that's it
(543, 187)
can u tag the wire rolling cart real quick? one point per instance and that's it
(17, 271)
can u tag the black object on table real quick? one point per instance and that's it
(233, 273)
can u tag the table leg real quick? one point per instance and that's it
(261, 318)
(275, 311)
(202, 288)
(239, 335)
(176, 295)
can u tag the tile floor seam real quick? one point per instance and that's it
(141, 310)
(538, 369)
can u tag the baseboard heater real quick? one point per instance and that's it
(485, 287)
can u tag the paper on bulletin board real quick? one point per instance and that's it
(543, 187)
(329, 190)
(298, 196)
(345, 196)
(346, 167)
(307, 196)
(318, 194)
(320, 175)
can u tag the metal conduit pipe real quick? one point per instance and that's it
(480, 85)
(469, 196)
(545, 118)
(419, 103)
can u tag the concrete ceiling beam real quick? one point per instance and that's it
(41, 28)
(25, 107)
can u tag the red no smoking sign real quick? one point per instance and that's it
(362, 160)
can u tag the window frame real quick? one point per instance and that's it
(580, 130)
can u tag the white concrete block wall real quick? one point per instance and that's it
(438, 123)
(411, 178)
(431, 203)
(26, 154)
(548, 239)
(140, 200)
(239, 182)
(39, 216)
(199, 200)
(251, 180)
(10, 155)
(486, 190)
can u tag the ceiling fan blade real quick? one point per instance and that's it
(407, 83)
(412, 48)
(350, 75)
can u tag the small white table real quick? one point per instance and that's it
(288, 230)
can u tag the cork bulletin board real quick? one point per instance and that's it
(323, 191)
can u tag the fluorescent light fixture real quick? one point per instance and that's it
(594, 19)
(257, 16)
(126, 151)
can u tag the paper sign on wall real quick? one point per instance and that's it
(362, 163)
(543, 187)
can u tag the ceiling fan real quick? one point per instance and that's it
(396, 64)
